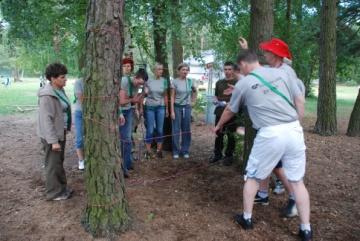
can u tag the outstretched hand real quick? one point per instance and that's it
(243, 43)
(229, 90)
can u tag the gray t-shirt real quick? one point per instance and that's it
(293, 75)
(129, 88)
(182, 91)
(266, 108)
(78, 90)
(156, 92)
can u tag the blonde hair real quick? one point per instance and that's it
(183, 65)
(157, 65)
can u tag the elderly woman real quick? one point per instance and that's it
(155, 109)
(183, 93)
(130, 101)
(53, 122)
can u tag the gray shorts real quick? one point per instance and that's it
(273, 143)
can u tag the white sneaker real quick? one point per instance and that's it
(81, 165)
(186, 156)
(176, 156)
(279, 188)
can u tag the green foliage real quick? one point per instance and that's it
(34, 33)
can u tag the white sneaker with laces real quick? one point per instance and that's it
(81, 165)
(279, 188)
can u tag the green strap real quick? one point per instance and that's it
(130, 86)
(75, 98)
(273, 89)
(68, 110)
(188, 86)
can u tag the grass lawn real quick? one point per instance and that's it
(345, 95)
(23, 95)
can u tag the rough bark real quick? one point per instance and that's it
(160, 30)
(288, 21)
(106, 210)
(354, 123)
(261, 28)
(326, 108)
(177, 47)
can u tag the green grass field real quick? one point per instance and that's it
(23, 95)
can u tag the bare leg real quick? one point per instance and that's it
(159, 147)
(250, 188)
(302, 201)
(80, 154)
(279, 172)
(264, 185)
(148, 147)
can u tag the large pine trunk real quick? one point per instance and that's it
(177, 47)
(354, 123)
(326, 107)
(261, 28)
(160, 30)
(106, 210)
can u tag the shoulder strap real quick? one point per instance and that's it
(68, 110)
(130, 86)
(273, 89)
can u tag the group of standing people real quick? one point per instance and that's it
(150, 99)
(272, 96)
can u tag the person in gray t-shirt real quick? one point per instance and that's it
(129, 97)
(183, 92)
(275, 112)
(155, 109)
(277, 54)
(78, 120)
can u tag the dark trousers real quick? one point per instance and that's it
(55, 182)
(228, 130)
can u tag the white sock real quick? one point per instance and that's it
(263, 194)
(304, 227)
(292, 196)
(247, 215)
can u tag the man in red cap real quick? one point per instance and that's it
(275, 52)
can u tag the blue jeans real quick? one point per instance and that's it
(155, 116)
(79, 130)
(125, 138)
(181, 126)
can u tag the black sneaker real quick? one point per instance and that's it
(228, 161)
(290, 210)
(148, 155)
(245, 223)
(215, 159)
(260, 200)
(126, 175)
(305, 235)
(159, 154)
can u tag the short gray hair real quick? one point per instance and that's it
(182, 65)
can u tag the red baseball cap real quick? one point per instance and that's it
(277, 47)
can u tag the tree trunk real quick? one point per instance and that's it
(288, 21)
(354, 123)
(160, 30)
(177, 47)
(261, 28)
(16, 75)
(326, 107)
(106, 210)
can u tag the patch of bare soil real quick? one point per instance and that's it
(197, 204)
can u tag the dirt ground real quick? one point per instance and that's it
(196, 205)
